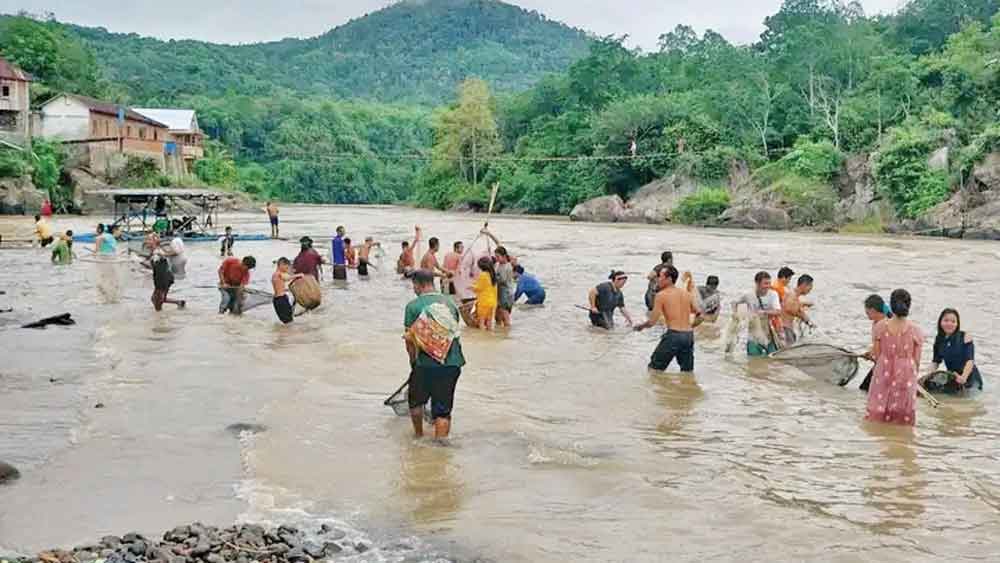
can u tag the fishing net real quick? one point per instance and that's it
(940, 382)
(821, 361)
(399, 402)
(253, 298)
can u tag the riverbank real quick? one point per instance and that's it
(198, 543)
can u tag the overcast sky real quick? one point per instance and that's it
(243, 21)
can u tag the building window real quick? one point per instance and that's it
(128, 131)
(156, 135)
(142, 133)
(5, 92)
(107, 129)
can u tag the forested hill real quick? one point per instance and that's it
(415, 51)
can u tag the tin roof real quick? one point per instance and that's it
(108, 108)
(10, 71)
(176, 119)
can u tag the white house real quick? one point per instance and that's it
(184, 131)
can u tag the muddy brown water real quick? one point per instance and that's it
(564, 448)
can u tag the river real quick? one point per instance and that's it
(564, 447)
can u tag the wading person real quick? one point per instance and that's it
(350, 253)
(272, 215)
(163, 279)
(452, 265)
(308, 261)
(605, 298)
(432, 340)
(175, 253)
(792, 308)
(528, 286)
(226, 243)
(506, 285)
(666, 259)
(877, 311)
(364, 256)
(765, 307)
(338, 255)
(898, 343)
(485, 289)
(279, 283)
(780, 286)
(429, 262)
(711, 300)
(62, 252)
(675, 306)
(43, 231)
(407, 263)
(955, 348)
(234, 276)
(105, 244)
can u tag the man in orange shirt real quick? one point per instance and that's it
(234, 276)
(784, 278)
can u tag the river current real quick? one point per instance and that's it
(564, 447)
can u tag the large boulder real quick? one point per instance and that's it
(756, 217)
(655, 202)
(604, 209)
(859, 200)
(18, 196)
(82, 181)
(972, 212)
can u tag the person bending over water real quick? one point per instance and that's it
(675, 306)
(234, 276)
(605, 298)
(62, 252)
(435, 351)
(897, 346)
(955, 348)
(529, 286)
(486, 294)
(877, 311)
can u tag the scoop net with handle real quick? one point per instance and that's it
(399, 402)
(822, 361)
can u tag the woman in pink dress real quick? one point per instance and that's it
(897, 345)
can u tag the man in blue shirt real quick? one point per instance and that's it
(528, 285)
(339, 256)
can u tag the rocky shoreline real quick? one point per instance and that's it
(198, 543)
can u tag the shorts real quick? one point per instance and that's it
(46, 241)
(602, 320)
(674, 345)
(274, 220)
(159, 297)
(789, 335)
(362, 267)
(759, 351)
(283, 308)
(339, 272)
(436, 383)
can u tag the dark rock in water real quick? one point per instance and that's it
(63, 320)
(313, 550)
(241, 427)
(297, 554)
(132, 537)
(99, 406)
(330, 533)
(330, 548)
(178, 534)
(8, 473)
(361, 548)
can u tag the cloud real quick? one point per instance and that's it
(245, 21)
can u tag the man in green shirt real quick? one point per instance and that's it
(62, 252)
(432, 342)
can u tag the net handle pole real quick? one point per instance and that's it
(394, 393)
(489, 213)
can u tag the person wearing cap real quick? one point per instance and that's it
(529, 286)
(605, 298)
(308, 262)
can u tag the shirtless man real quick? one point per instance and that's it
(279, 282)
(452, 265)
(430, 260)
(406, 263)
(364, 256)
(792, 308)
(272, 215)
(675, 306)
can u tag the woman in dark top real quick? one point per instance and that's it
(877, 310)
(955, 348)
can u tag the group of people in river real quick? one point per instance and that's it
(480, 289)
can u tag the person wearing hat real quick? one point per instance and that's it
(605, 298)
(308, 262)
